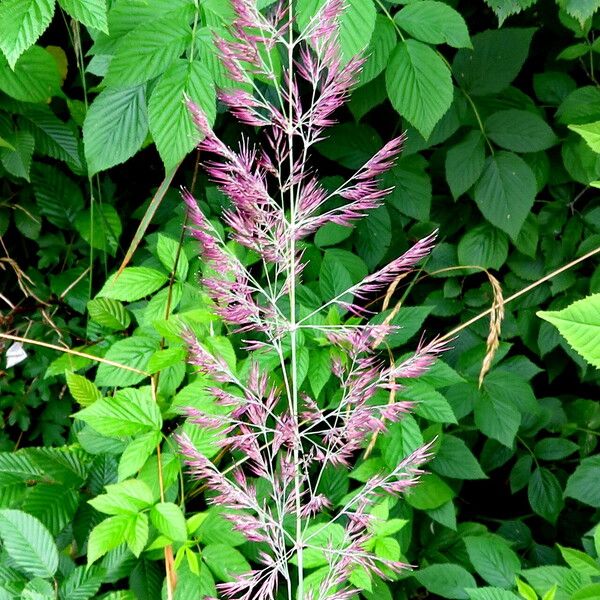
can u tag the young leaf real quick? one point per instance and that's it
(506, 191)
(137, 453)
(125, 498)
(106, 536)
(169, 118)
(578, 324)
(169, 520)
(115, 127)
(109, 313)
(23, 21)
(129, 412)
(435, 23)
(168, 252)
(419, 85)
(28, 543)
(82, 389)
(590, 132)
(133, 284)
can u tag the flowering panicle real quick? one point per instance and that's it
(262, 413)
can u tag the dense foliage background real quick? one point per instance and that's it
(501, 106)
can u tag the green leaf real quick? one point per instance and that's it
(431, 492)
(58, 196)
(382, 43)
(334, 279)
(107, 536)
(506, 191)
(505, 8)
(109, 313)
(491, 593)
(583, 483)
(322, 535)
(23, 21)
(545, 494)
(590, 132)
(102, 230)
(169, 520)
(357, 22)
(497, 417)
(412, 192)
(129, 412)
(125, 498)
(81, 584)
(419, 85)
(35, 76)
(493, 559)
(454, 459)
(581, 10)
(82, 389)
(580, 561)
(554, 448)
(446, 580)
(579, 324)
(484, 246)
(435, 23)
(581, 106)
(133, 284)
(150, 49)
(54, 505)
(350, 144)
(409, 320)
(18, 161)
(133, 352)
(136, 454)
(91, 13)
(374, 236)
(28, 543)
(464, 163)
(520, 131)
(496, 59)
(115, 127)
(169, 251)
(170, 121)
(319, 370)
(225, 562)
(429, 403)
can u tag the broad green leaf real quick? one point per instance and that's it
(334, 280)
(54, 505)
(350, 144)
(82, 389)
(18, 161)
(170, 122)
(58, 196)
(81, 584)
(224, 562)
(216, 529)
(454, 459)
(382, 43)
(552, 87)
(28, 543)
(115, 127)
(34, 78)
(545, 494)
(493, 559)
(505, 8)
(137, 533)
(134, 352)
(446, 580)
(150, 49)
(554, 448)
(109, 313)
(464, 163)
(579, 324)
(321, 535)
(496, 59)
(431, 492)
(169, 251)
(91, 13)
(491, 593)
(169, 357)
(107, 536)
(429, 403)
(497, 417)
(580, 161)
(519, 131)
(583, 483)
(374, 236)
(590, 132)
(169, 520)
(412, 191)
(23, 21)
(125, 498)
(130, 412)
(581, 10)
(319, 370)
(419, 85)
(506, 191)
(435, 23)
(357, 22)
(409, 320)
(484, 246)
(581, 106)
(136, 454)
(580, 561)
(133, 284)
